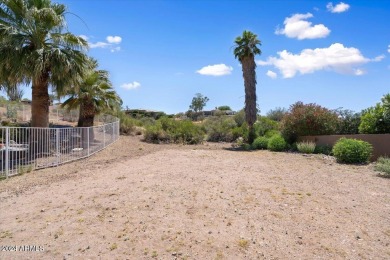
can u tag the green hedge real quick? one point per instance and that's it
(276, 143)
(352, 151)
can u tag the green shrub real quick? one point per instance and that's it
(239, 117)
(264, 125)
(276, 143)
(187, 132)
(241, 131)
(376, 120)
(383, 165)
(306, 147)
(260, 143)
(308, 119)
(348, 122)
(271, 133)
(352, 151)
(224, 108)
(323, 149)
(155, 134)
(220, 129)
(168, 130)
(277, 114)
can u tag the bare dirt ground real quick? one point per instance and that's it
(142, 201)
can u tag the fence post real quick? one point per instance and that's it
(57, 145)
(6, 152)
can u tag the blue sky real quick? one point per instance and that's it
(161, 53)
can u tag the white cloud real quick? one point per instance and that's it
(378, 58)
(271, 74)
(99, 45)
(132, 85)
(215, 70)
(334, 58)
(111, 43)
(359, 72)
(114, 39)
(296, 26)
(388, 48)
(339, 8)
(118, 48)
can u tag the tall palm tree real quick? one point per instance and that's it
(35, 49)
(94, 94)
(246, 47)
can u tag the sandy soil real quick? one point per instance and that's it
(142, 201)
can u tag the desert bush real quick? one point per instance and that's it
(264, 125)
(383, 165)
(271, 133)
(168, 130)
(239, 117)
(155, 134)
(323, 149)
(376, 120)
(349, 122)
(352, 151)
(220, 129)
(224, 108)
(276, 143)
(306, 147)
(260, 143)
(308, 119)
(241, 131)
(277, 114)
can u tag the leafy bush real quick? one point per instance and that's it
(220, 129)
(239, 117)
(241, 131)
(264, 125)
(323, 149)
(155, 134)
(383, 165)
(260, 143)
(271, 133)
(277, 114)
(352, 151)
(276, 143)
(223, 108)
(306, 147)
(168, 130)
(308, 119)
(349, 122)
(376, 120)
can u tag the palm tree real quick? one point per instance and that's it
(35, 49)
(94, 94)
(245, 50)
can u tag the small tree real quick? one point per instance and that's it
(376, 120)
(198, 102)
(277, 114)
(308, 119)
(224, 108)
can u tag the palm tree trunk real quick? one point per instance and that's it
(40, 101)
(86, 119)
(249, 74)
(87, 114)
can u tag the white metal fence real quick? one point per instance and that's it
(23, 149)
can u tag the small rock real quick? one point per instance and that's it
(210, 232)
(42, 210)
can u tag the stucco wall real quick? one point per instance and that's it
(380, 142)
